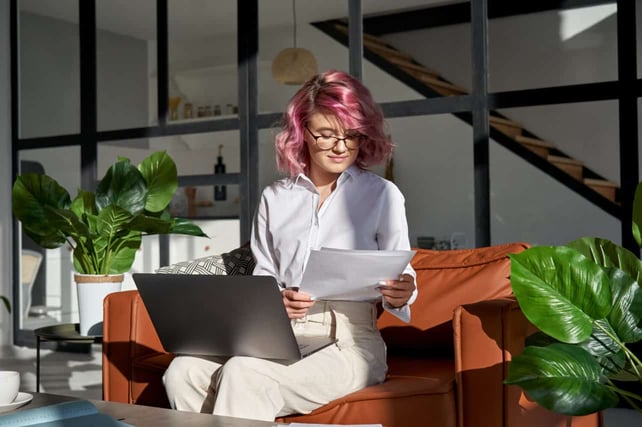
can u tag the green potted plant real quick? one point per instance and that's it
(585, 299)
(104, 228)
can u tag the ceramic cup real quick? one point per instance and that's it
(9, 386)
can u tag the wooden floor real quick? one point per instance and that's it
(76, 373)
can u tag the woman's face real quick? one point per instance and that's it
(328, 157)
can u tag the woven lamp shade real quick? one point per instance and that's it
(294, 66)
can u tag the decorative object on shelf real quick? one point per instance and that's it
(103, 228)
(586, 300)
(190, 193)
(425, 242)
(188, 111)
(294, 65)
(220, 191)
(174, 102)
(217, 110)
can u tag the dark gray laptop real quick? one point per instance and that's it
(217, 315)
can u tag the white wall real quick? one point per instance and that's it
(6, 267)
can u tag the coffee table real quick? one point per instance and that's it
(148, 416)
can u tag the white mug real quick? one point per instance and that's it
(9, 386)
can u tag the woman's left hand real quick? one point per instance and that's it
(397, 292)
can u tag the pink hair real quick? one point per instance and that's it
(339, 94)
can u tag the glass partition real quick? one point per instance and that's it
(49, 62)
(553, 48)
(433, 168)
(203, 82)
(47, 291)
(124, 51)
(435, 59)
(529, 205)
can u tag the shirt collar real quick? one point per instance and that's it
(351, 172)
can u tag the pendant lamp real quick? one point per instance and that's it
(294, 65)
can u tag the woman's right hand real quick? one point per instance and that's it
(296, 303)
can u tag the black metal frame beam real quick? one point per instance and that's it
(355, 38)
(88, 95)
(18, 335)
(248, 49)
(480, 111)
(459, 13)
(628, 117)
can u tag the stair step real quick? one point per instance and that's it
(441, 87)
(385, 51)
(605, 188)
(505, 126)
(570, 166)
(344, 29)
(538, 146)
(411, 66)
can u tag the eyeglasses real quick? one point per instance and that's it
(329, 142)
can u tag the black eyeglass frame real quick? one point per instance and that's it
(352, 139)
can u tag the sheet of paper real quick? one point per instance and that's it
(351, 275)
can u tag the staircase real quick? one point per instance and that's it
(542, 154)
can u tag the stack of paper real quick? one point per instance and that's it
(351, 275)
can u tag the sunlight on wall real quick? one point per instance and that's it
(575, 21)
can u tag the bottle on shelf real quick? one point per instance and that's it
(220, 191)
(188, 112)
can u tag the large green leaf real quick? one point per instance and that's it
(637, 214)
(6, 302)
(607, 352)
(607, 254)
(113, 221)
(184, 226)
(159, 171)
(626, 312)
(84, 203)
(123, 257)
(560, 291)
(562, 378)
(123, 185)
(31, 195)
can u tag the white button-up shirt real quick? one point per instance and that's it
(364, 211)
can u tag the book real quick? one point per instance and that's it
(76, 413)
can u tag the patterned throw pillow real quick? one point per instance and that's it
(206, 265)
(237, 262)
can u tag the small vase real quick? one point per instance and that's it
(92, 290)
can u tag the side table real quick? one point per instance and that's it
(67, 332)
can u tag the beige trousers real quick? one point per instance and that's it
(248, 387)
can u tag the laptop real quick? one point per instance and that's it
(218, 315)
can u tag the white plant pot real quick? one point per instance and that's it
(92, 290)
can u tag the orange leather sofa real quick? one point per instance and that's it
(446, 367)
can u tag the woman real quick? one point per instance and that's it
(332, 131)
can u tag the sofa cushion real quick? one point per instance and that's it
(412, 386)
(447, 279)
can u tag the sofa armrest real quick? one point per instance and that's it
(486, 336)
(128, 334)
